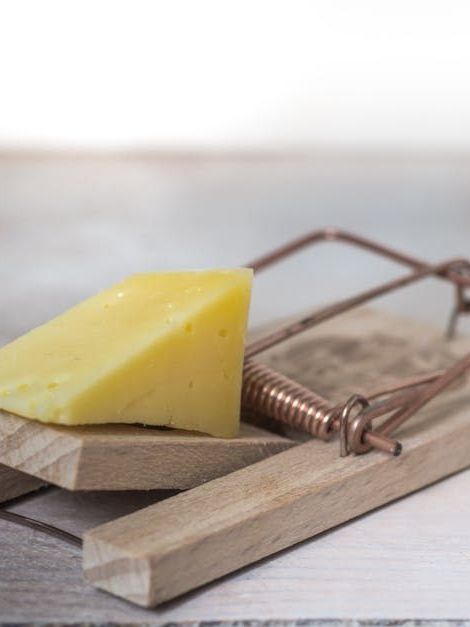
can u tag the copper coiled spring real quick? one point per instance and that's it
(272, 394)
(269, 393)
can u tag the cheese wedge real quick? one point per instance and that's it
(159, 349)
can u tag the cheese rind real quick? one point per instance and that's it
(158, 348)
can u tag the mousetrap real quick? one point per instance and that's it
(345, 409)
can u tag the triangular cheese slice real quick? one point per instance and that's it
(159, 349)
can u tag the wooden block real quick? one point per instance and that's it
(171, 547)
(128, 457)
(179, 544)
(14, 483)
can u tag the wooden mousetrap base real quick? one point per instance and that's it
(174, 546)
(126, 457)
(192, 538)
(14, 483)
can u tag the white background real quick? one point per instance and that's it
(218, 74)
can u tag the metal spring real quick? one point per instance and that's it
(272, 394)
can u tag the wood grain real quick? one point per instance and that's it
(175, 546)
(409, 558)
(128, 457)
(169, 548)
(14, 483)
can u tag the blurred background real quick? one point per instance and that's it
(142, 135)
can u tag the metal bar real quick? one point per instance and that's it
(306, 322)
(403, 384)
(38, 525)
(457, 271)
(332, 234)
(430, 392)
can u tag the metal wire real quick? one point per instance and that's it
(271, 394)
(38, 525)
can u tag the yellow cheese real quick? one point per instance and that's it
(159, 348)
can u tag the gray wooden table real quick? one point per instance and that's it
(69, 226)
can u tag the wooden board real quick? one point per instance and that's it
(409, 558)
(128, 457)
(169, 548)
(14, 483)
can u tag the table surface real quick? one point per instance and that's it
(70, 226)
